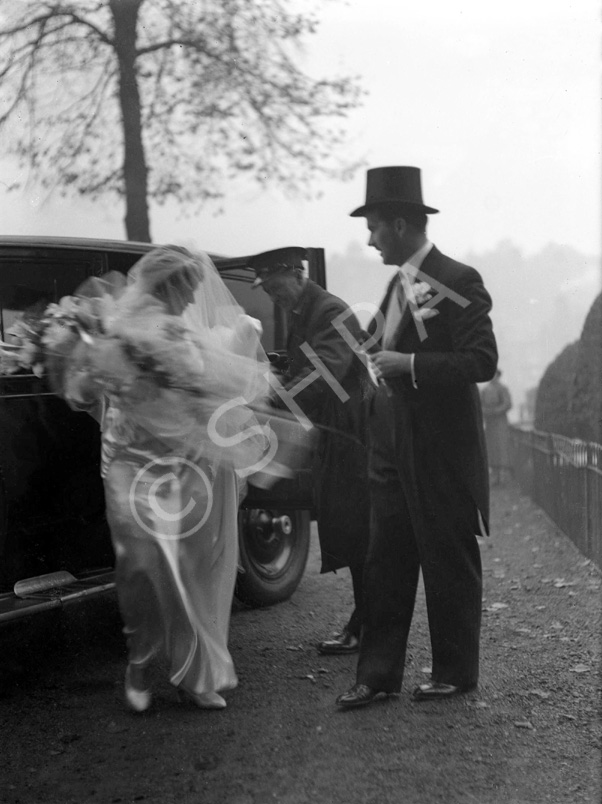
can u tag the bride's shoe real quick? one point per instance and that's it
(204, 700)
(137, 700)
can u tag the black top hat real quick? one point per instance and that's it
(393, 185)
(270, 263)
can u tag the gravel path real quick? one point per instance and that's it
(530, 734)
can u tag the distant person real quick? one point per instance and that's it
(496, 402)
(340, 472)
(427, 465)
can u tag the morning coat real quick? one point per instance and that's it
(439, 422)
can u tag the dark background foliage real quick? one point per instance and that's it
(569, 396)
(554, 393)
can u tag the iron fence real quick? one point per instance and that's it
(563, 476)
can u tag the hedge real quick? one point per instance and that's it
(569, 395)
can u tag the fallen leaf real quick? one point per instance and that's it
(204, 763)
(294, 647)
(427, 670)
(579, 668)
(69, 738)
(480, 705)
(540, 694)
(496, 606)
(523, 724)
(116, 728)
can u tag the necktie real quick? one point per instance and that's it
(397, 305)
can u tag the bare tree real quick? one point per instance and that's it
(160, 99)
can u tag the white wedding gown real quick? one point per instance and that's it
(172, 496)
(175, 535)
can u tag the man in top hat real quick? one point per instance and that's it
(330, 384)
(432, 341)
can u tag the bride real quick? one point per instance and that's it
(177, 351)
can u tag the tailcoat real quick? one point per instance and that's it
(340, 464)
(429, 482)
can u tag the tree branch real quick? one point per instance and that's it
(42, 19)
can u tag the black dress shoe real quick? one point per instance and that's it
(359, 695)
(434, 691)
(344, 642)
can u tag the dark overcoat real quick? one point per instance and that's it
(340, 464)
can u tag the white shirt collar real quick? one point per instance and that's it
(413, 264)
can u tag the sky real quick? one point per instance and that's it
(497, 103)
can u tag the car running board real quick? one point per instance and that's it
(51, 591)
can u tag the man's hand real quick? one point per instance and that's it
(391, 364)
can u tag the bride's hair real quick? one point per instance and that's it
(167, 268)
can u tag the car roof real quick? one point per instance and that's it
(100, 244)
(82, 243)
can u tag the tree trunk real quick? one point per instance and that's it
(135, 172)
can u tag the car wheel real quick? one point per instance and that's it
(273, 553)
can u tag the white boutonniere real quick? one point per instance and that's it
(422, 293)
(424, 313)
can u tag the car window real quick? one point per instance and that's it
(26, 288)
(258, 304)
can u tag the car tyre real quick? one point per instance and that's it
(274, 546)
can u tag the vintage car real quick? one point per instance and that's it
(54, 541)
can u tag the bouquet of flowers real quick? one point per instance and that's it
(147, 350)
(33, 338)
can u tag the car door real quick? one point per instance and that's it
(51, 502)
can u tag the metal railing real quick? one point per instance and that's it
(563, 476)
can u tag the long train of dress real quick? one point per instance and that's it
(174, 527)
